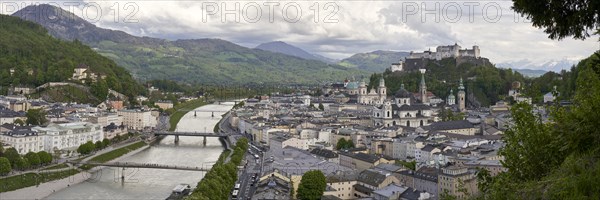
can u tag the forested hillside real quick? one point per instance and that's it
(37, 58)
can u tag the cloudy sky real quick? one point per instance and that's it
(338, 29)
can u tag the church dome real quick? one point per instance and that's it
(402, 93)
(352, 85)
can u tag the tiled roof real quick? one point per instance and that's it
(450, 125)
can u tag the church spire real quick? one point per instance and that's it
(423, 88)
(461, 86)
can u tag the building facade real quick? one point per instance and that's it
(137, 119)
(69, 135)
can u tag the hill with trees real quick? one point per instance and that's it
(288, 49)
(485, 84)
(31, 57)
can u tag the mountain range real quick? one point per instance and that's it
(205, 61)
(552, 65)
(285, 48)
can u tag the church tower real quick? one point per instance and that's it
(461, 96)
(423, 88)
(451, 98)
(362, 88)
(382, 90)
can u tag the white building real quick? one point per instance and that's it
(395, 67)
(107, 119)
(68, 135)
(138, 119)
(23, 140)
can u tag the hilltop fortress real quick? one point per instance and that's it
(417, 60)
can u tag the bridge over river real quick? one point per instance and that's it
(142, 165)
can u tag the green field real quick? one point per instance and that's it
(31, 179)
(59, 166)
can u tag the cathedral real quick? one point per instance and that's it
(373, 97)
(404, 110)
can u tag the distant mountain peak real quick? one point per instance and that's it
(288, 49)
(375, 61)
(65, 25)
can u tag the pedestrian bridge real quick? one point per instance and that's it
(143, 165)
(222, 137)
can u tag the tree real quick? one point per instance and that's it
(99, 89)
(4, 166)
(86, 148)
(98, 145)
(312, 185)
(561, 19)
(22, 163)
(531, 149)
(36, 117)
(340, 144)
(349, 144)
(19, 121)
(33, 158)
(344, 144)
(12, 155)
(484, 179)
(321, 107)
(45, 157)
(105, 142)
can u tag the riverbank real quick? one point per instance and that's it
(182, 109)
(220, 179)
(32, 187)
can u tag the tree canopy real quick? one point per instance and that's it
(86, 148)
(4, 166)
(561, 19)
(344, 144)
(312, 185)
(33, 158)
(36, 117)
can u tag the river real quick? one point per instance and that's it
(157, 183)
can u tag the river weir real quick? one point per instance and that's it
(157, 183)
